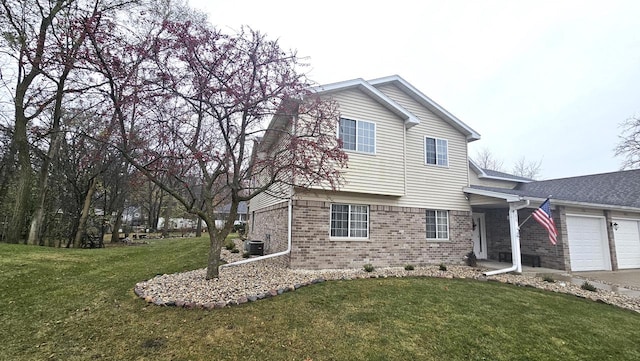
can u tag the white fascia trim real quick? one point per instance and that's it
(476, 168)
(592, 205)
(482, 174)
(482, 192)
(429, 103)
(409, 119)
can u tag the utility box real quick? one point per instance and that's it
(256, 248)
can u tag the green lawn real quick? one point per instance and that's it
(59, 304)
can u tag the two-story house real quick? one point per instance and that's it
(411, 196)
(402, 201)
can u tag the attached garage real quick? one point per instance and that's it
(627, 239)
(588, 244)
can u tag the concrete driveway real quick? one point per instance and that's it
(625, 278)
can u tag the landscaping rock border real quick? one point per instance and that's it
(267, 278)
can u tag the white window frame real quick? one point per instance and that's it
(348, 236)
(437, 163)
(357, 121)
(436, 213)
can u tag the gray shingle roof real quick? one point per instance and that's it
(242, 208)
(495, 173)
(617, 189)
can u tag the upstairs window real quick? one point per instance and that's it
(437, 225)
(358, 135)
(436, 151)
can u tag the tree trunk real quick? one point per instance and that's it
(216, 241)
(77, 242)
(23, 191)
(215, 247)
(199, 228)
(35, 232)
(115, 232)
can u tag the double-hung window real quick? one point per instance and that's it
(436, 151)
(357, 135)
(349, 220)
(437, 224)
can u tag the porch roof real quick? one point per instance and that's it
(616, 190)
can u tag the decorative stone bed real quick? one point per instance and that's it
(268, 278)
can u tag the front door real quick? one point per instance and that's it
(479, 236)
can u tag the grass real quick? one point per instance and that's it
(61, 304)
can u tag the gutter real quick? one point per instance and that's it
(515, 239)
(278, 254)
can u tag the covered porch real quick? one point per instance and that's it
(504, 231)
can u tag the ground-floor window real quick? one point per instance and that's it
(349, 220)
(437, 224)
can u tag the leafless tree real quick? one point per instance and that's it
(527, 169)
(629, 145)
(487, 160)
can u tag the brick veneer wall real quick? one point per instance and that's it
(397, 237)
(534, 239)
(270, 222)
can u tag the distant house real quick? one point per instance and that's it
(412, 197)
(222, 213)
(177, 223)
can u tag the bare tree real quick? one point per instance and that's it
(42, 44)
(189, 100)
(629, 145)
(527, 169)
(487, 160)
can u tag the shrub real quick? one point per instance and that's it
(229, 245)
(588, 286)
(443, 267)
(471, 259)
(369, 267)
(548, 278)
(246, 255)
(235, 250)
(409, 267)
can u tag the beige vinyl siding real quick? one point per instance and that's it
(432, 186)
(582, 211)
(345, 197)
(478, 200)
(382, 172)
(277, 193)
(628, 215)
(496, 183)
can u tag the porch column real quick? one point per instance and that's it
(515, 239)
(514, 229)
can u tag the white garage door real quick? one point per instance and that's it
(627, 238)
(588, 244)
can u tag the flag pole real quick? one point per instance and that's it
(525, 221)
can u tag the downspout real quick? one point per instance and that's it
(515, 239)
(278, 254)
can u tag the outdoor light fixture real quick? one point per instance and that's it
(473, 224)
(614, 225)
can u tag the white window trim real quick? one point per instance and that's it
(424, 153)
(349, 238)
(448, 226)
(375, 136)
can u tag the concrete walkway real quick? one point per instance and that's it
(629, 278)
(625, 282)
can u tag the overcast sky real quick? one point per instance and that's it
(547, 80)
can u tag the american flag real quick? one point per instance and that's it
(543, 216)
